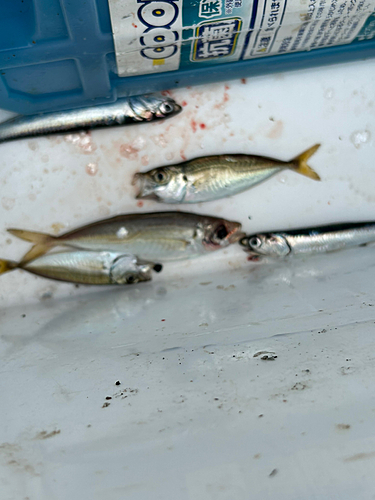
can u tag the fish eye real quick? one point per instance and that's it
(158, 268)
(221, 232)
(130, 278)
(160, 176)
(166, 107)
(255, 242)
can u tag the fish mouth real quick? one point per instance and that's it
(147, 268)
(138, 177)
(236, 235)
(177, 108)
(144, 192)
(149, 196)
(244, 242)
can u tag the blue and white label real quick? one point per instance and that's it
(210, 8)
(284, 26)
(147, 35)
(215, 39)
(153, 36)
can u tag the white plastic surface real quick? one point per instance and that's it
(199, 415)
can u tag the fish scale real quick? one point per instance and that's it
(214, 179)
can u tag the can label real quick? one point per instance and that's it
(154, 36)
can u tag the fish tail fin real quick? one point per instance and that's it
(42, 243)
(300, 163)
(7, 265)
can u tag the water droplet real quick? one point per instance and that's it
(122, 232)
(83, 140)
(138, 143)
(329, 93)
(8, 203)
(169, 156)
(282, 180)
(159, 140)
(92, 168)
(360, 137)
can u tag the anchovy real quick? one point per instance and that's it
(310, 240)
(214, 177)
(122, 112)
(89, 268)
(157, 237)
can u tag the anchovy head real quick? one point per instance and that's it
(273, 245)
(127, 270)
(150, 107)
(220, 233)
(165, 184)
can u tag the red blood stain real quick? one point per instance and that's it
(182, 154)
(163, 319)
(189, 87)
(128, 151)
(140, 204)
(202, 126)
(166, 92)
(193, 125)
(253, 258)
(243, 80)
(219, 105)
(184, 103)
(135, 26)
(226, 87)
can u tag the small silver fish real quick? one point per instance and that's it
(89, 268)
(122, 112)
(214, 177)
(157, 236)
(310, 240)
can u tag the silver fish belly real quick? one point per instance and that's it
(331, 241)
(230, 183)
(122, 112)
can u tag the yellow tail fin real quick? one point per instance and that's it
(42, 243)
(7, 265)
(301, 166)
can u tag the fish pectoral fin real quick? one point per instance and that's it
(300, 163)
